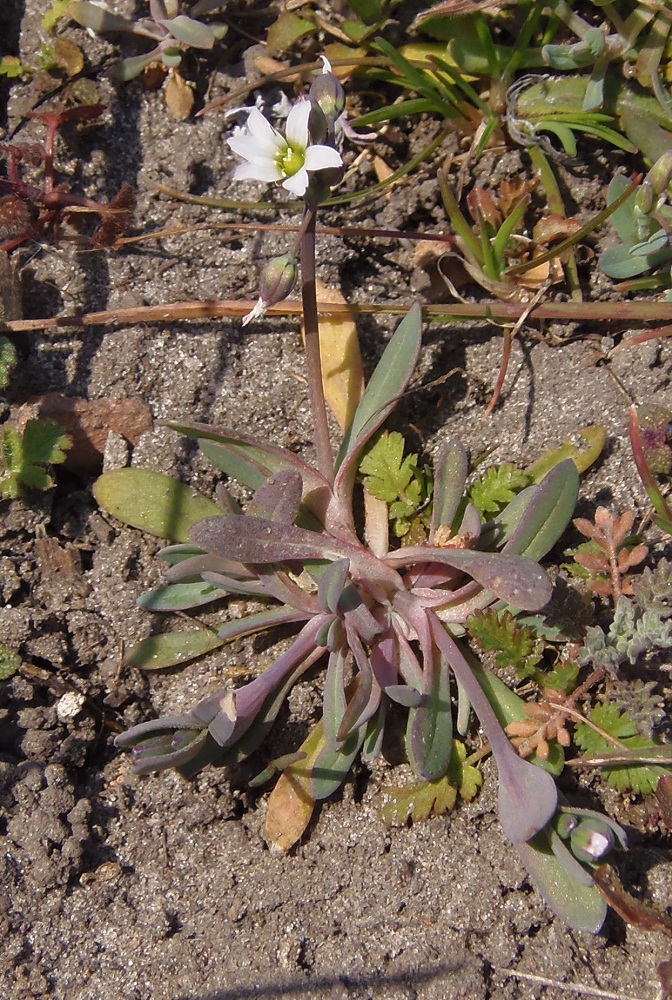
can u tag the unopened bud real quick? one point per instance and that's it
(660, 174)
(591, 840)
(276, 282)
(644, 199)
(328, 94)
(565, 825)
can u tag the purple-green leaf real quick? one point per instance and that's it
(515, 579)
(256, 540)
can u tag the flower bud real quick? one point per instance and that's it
(591, 840)
(644, 199)
(276, 281)
(660, 174)
(328, 94)
(565, 825)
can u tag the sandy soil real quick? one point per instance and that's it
(118, 888)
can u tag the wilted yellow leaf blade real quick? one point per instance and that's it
(342, 373)
(289, 810)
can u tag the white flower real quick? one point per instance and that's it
(271, 156)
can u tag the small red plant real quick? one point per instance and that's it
(27, 209)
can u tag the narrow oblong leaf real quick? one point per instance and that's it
(180, 596)
(331, 584)
(291, 803)
(515, 579)
(385, 388)
(332, 765)
(429, 733)
(171, 649)
(152, 501)
(255, 540)
(259, 622)
(450, 477)
(547, 514)
(594, 438)
(98, 19)
(342, 372)
(190, 32)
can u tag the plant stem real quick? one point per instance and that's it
(325, 458)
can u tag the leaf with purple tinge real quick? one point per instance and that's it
(256, 540)
(515, 579)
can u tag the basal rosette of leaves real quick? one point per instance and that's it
(384, 622)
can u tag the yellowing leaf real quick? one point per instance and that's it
(68, 56)
(342, 373)
(291, 805)
(179, 96)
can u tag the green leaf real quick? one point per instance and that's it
(496, 488)
(332, 765)
(190, 32)
(58, 10)
(429, 732)
(387, 473)
(171, 649)
(547, 513)
(98, 19)
(385, 388)
(10, 661)
(287, 30)
(12, 67)
(25, 456)
(581, 907)
(152, 502)
(426, 798)
(583, 456)
(623, 778)
(181, 596)
(516, 645)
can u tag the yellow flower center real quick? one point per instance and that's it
(291, 161)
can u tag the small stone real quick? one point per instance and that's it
(69, 706)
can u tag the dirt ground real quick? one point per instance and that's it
(119, 888)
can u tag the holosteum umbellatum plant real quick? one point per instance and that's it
(386, 621)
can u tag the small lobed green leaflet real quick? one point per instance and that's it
(432, 798)
(58, 10)
(515, 645)
(497, 487)
(642, 779)
(25, 456)
(387, 474)
(12, 67)
(10, 661)
(562, 678)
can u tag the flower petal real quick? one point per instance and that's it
(322, 157)
(261, 128)
(258, 171)
(296, 129)
(298, 182)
